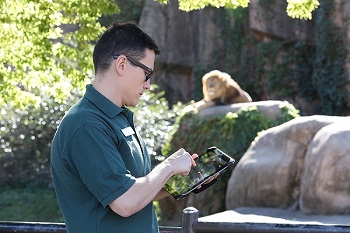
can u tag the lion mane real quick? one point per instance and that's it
(220, 89)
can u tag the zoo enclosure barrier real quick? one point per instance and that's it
(191, 223)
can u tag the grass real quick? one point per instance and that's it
(34, 204)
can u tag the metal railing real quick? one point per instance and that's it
(27, 227)
(191, 223)
(35, 227)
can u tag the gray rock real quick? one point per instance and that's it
(325, 187)
(269, 173)
(270, 108)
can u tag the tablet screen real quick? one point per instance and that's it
(208, 164)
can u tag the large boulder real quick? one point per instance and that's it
(269, 108)
(325, 186)
(212, 200)
(269, 173)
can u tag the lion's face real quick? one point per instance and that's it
(214, 87)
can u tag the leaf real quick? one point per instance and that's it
(38, 55)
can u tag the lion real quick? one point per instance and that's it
(220, 89)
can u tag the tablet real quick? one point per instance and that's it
(208, 164)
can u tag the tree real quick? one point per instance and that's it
(301, 9)
(39, 55)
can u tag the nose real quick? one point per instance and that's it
(147, 84)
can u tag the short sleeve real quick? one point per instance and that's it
(94, 153)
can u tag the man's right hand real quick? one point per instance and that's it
(181, 162)
(148, 187)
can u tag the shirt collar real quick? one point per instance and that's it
(101, 102)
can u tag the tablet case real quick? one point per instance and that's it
(211, 162)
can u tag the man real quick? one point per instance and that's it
(100, 165)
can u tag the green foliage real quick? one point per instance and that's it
(26, 132)
(189, 5)
(232, 132)
(39, 54)
(329, 77)
(25, 135)
(29, 204)
(297, 71)
(274, 61)
(25, 140)
(301, 9)
(232, 35)
(154, 119)
(304, 58)
(288, 112)
(296, 8)
(130, 11)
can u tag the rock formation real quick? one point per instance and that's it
(212, 200)
(325, 187)
(302, 162)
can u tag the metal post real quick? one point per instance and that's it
(189, 217)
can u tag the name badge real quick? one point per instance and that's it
(128, 131)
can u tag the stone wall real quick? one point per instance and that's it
(189, 40)
(270, 21)
(341, 18)
(186, 40)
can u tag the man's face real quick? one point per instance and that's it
(135, 83)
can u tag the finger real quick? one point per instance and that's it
(192, 163)
(195, 156)
(192, 157)
(210, 180)
(213, 178)
(181, 151)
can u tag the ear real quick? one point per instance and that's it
(119, 64)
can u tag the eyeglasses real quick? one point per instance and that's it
(149, 71)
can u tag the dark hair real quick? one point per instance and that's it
(121, 38)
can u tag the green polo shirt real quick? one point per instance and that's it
(96, 155)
